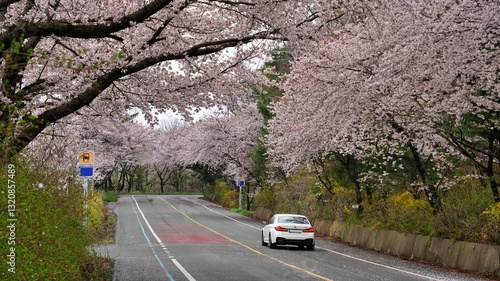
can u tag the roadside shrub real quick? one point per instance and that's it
(286, 199)
(400, 212)
(223, 193)
(461, 215)
(229, 198)
(341, 204)
(325, 205)
(265, 198)
(409, 215)
(51, 242)
(209, 192)
(491, 228)
(95, 212)
(290, 198)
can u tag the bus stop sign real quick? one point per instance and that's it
(86, 170)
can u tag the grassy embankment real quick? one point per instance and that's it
(49, 237)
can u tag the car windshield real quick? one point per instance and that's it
(292, 219)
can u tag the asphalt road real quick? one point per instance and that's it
(164, 237)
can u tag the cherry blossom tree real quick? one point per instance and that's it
(113, 143)
(219, 142)
(62, 57)
(384, 82)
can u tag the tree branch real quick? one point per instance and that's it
(104, 81)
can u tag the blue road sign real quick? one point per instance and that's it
(241, 183)
(86, 171)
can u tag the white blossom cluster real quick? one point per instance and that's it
(387, 79)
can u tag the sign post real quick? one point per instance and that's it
(86, 169)
(85, 204)
(241, 183)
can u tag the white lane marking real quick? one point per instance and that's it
(378, 264)
(151, 247)
(147, 222)
(332, 251)
(179, 266)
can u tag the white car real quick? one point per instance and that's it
(288, 229)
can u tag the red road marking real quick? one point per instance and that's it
(187, 233)
(194, 238)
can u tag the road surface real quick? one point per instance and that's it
(178, 237)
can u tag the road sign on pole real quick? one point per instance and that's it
(86, 158)
(86, 170)
(240, 184)
(86, 163)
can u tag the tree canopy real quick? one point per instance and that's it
(408, 86)
(414, 82)
(65, 57)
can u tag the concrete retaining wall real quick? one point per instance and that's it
(474, 257)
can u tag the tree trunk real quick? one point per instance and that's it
(430, 189)
(490, 169)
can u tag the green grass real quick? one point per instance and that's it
(111, 196)
(242, 212)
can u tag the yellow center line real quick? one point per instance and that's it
(248, 247)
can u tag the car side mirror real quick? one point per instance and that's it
(264, 222)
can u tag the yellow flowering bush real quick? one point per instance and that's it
(404, 213)
(95, 211)
(229, 198)
(491, 228)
